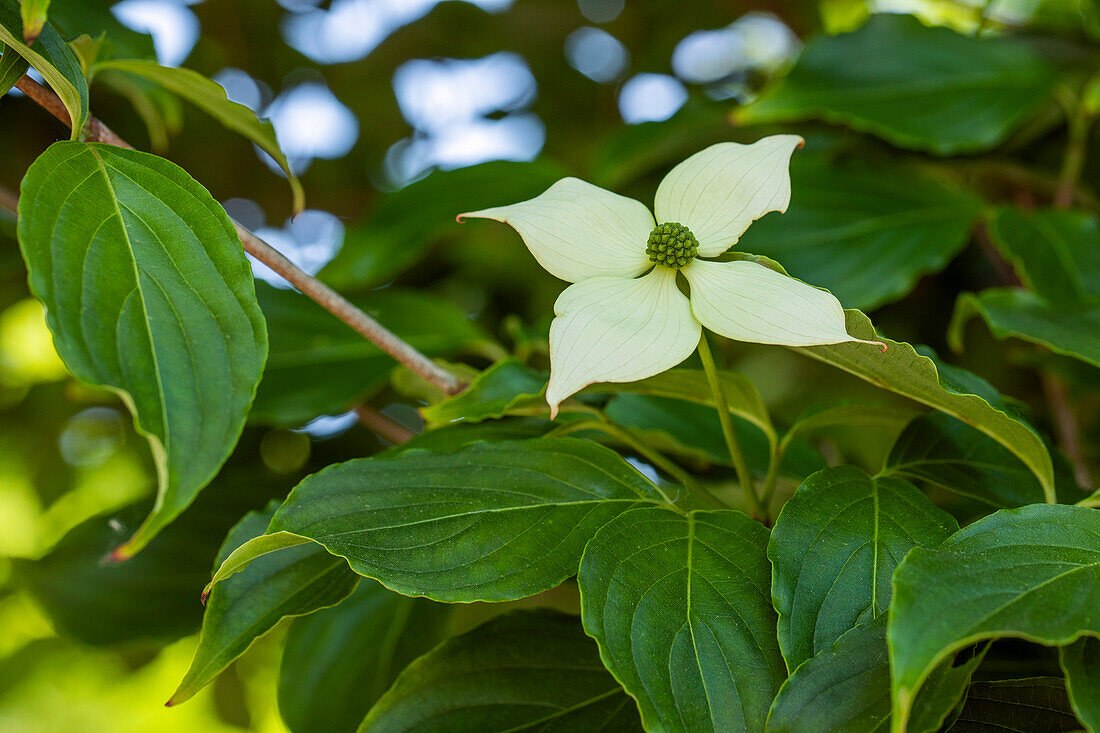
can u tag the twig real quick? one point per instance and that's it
(9, 200)
(383, 425)
(1065, 426)
(310, 286)
(1065, 421)
(1080, 122)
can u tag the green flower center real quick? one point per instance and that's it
(672, 244)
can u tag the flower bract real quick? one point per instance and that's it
(624, 318)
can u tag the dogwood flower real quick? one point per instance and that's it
(624, 318)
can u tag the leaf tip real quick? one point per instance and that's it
(460, 218)
(122, 553)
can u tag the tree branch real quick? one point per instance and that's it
(328, 298)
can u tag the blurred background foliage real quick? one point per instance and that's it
(398, 114)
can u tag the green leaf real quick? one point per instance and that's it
(504, 387)
(949, 453)
(94, 18)
(209, 96)
(834, 548)
(526, 670)
(879, 79)
(1072, 329)
(1017, 706)
(1053, 252)
(489, 522)
(1031, 573)
(948, 389)
(337, 662)
(34, 14)
(319, 365)
(865, 232)
(12, 68)
(296, 581)
(409, 222)
(147, 292)
(1081, 662)
(680, 607)
(845, 688)
(52, 58)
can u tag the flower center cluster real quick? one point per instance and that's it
(672, 244)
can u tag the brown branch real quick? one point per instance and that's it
(328, 298)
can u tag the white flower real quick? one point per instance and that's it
(616, 324)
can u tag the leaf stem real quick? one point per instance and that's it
(1080, 122)
(775, 460)
(310, 286)
(740, 465)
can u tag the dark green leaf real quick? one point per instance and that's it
(337, 662)
(866, 233)
(408, 222)
(949, 453)
(1032, 573)
(1081, 662)
(1072, 329)
(147, 292)
(915, 86)
(527, 670)
(319, 365)
(450, 438)
(209, 96)
(292, 582)
(52, 58)
(834, 548)
(489, 522)
(1034, 705)
(12, 68)
(949, 389)
(1054, 252)
(680, 607)
(846, 689)
(94, 17)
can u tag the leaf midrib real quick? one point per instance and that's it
(102, 164)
